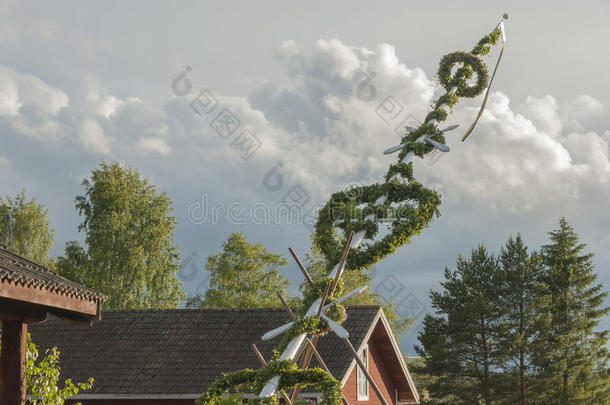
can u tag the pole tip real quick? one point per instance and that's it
(505, 16)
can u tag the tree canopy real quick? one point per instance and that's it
(129, 253)
(520, 328)
(25, 229)
(242, 275)
(577, 367)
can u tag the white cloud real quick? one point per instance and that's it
(521, 159)
(31, 106)
(147, 146)
(93, 139)
(584, 106)
(523, 162)
(329, 126)
(9, 98)
(26, 90)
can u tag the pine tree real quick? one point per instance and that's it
(577, 366)
(460, 344)
(524, 305)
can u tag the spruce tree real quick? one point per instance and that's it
(524, 305)
(577, 366)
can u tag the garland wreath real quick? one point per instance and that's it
(407, 203)
(416, 205)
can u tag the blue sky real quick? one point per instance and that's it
(81, 83)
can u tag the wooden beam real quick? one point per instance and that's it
(330, 289)
(48, 298)
(16, 311)
(301, 266)
(322, 363)
(342, 262)
(304, 365)
(12, 359)
(290, 313)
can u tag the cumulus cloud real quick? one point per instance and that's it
(9, 98)
(523, 162)
(329, 125)
(19, 89)
(95, 120)
(342, 107)
(93, 139)
(326, 124)
(346, 105)
(31, 106)
(584, 106)
(147, 146)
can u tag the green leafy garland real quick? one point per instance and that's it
(291, 376)
(407, 200)
(410, 204)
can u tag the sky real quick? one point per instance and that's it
(311, 85)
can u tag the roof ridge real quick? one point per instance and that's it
(5, 249)
(26, 272)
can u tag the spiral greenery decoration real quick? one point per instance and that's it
(409, 204)
(404, 198)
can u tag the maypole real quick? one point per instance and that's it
(345, 233)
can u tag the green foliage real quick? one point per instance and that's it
(290, 376)
(524, 304)
(519, 329)
(412, 204)
(233, 399)
(461, 343)
(423, 380)
(344, 207)
(577, 367)
(42, 378)
(25, 229)
(129, 227)
(243, 275)
(351, 279)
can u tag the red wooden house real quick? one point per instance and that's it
(168, 357)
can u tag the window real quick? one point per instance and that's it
(362, 383)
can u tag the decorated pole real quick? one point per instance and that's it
(345, 222)
(400, 200)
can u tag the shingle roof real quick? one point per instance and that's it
(179, 351)
(19, 270)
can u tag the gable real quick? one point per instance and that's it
(388, 366)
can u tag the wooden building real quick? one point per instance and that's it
(169, 357)
(28, 292)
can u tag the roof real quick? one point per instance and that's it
(21, 271)
(180, 351)
(28, 291)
